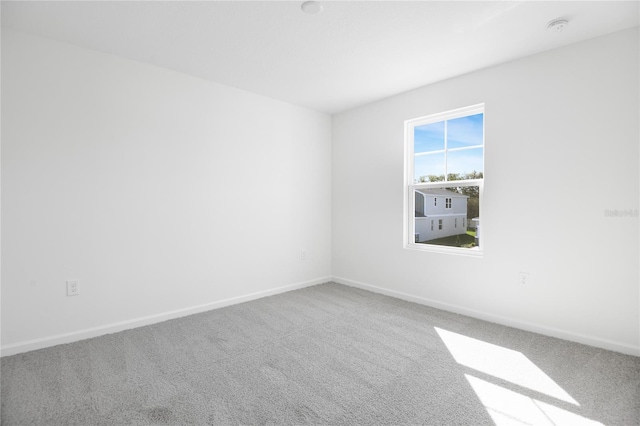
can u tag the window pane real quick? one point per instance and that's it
(465, 164)
(428, 168)
(465, 131)
(456, 225)
(429, 137)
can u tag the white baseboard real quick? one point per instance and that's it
(522, 325)
(45, 342)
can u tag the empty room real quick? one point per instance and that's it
(320, 212)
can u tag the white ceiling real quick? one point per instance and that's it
(352, 53)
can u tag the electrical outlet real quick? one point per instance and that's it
(524, 278)
(303, 255)
(73, 288)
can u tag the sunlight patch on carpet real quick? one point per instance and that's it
(507, 407)
(506, 364)
(511, 368)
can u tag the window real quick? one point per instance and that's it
(445, 158)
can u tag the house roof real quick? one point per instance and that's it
(440, 191)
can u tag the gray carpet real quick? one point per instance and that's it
(327, 354)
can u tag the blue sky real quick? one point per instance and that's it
(462, 132)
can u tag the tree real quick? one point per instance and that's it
(451, 177)
(431, 178)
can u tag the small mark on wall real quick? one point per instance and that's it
(161, 415)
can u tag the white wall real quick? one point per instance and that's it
(158, 191)
(135, 180)
(562, 138)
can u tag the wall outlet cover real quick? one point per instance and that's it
(73, 288)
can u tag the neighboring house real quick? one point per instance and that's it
(439, 213)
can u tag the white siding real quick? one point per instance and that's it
(423, 226)
(435, 209)
(458, 205)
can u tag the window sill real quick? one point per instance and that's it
(471, 252)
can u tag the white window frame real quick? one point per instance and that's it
(410, 186)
